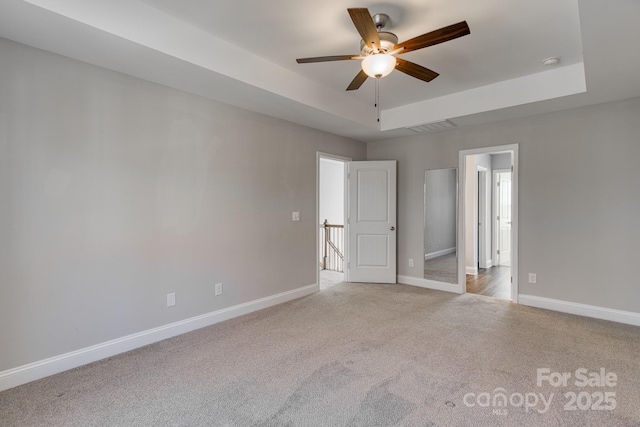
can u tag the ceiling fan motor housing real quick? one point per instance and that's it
(381, 20)
(387, 42)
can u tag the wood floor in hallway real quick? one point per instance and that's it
(491, 282)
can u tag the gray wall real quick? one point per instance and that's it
(501, 161)
(115, 191)
(579, 207)
(331, 191)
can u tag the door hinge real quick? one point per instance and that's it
(348, 266)
(498, 217)
(511, 168)
(348, 220)
(349, 175)
(498, 184)
(511, 279)
(498, 251)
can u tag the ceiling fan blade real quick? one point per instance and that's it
(326, 58)
(358, 80)
(366, 27)
(435, 37)
(415, 70)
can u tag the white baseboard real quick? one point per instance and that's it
(429, 284)
(439, 253)
(471, 270)
(53, 365)
(596, 312)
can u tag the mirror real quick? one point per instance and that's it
(440, 225)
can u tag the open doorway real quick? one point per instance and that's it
(490, 202)
(331, 220)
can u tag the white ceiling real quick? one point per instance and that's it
(243, 53)
(506, 42)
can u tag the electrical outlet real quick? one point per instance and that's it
(410, 262)
(171, 300)
(218, 289)
(533, 278)
(295, 216)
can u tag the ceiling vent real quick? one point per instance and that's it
(433, 127)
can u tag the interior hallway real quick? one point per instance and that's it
(491, 282)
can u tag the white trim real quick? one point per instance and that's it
(462, 155)
(515, 223)
(596, 312)
(481, 217)
(428, 284)
(53, 365)
(437, 254)
(471, 270)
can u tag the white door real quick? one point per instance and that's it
(372, 222)
(483, 230)
(504, 218)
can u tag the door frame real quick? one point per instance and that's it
(462, 158)
(345, 160)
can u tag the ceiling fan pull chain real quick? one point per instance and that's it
(375, 95)
(378, 98)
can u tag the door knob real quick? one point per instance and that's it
(392, 228)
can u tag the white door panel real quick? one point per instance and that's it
(504, 221)
(372, 222)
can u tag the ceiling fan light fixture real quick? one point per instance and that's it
(378, 48)
(378, 66)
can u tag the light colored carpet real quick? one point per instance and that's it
(353, 355)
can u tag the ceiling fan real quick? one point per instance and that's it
(378, 48)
